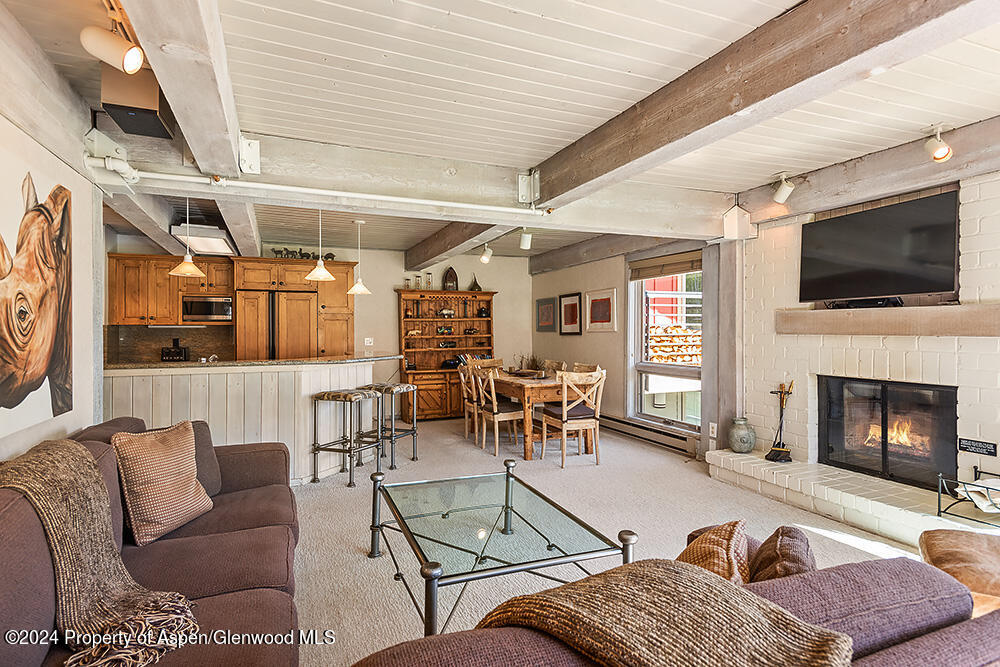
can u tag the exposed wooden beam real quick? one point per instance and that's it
(37, 98)
(150, 215)
(184, 44)
(883, 174)
(591, 250)
(457, 238)
(807, 52)
(241, 220)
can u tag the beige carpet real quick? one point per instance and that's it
(656, 493)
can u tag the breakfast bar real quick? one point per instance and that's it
(242, 401)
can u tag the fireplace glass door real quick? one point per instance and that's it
(900, 431)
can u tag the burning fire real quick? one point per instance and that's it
(899, 434)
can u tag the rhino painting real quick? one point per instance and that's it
(35, 302)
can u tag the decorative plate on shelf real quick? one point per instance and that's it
(450, 280)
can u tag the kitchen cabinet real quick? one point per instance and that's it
(219, 278)
(163, 300)
(333, 296)
(298, 324)
(292, 277)
(142, 291)
(255, 275)
(336, 334)
(252, 325)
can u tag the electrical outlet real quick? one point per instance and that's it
(711, 443)
(713, 430)
(369, 341)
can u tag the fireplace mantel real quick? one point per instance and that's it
(954, 320)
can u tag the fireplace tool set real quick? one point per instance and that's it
(779, 453)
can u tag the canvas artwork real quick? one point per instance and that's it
(602, 310)
(569, 314)
(36, 346)
(545, 314)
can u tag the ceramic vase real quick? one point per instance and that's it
(742, 437)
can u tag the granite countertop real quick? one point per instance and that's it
(336, 359)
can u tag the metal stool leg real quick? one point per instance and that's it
(350, 447)
(315, 452)
(361, 461)
(392, 441)
(343, 456)
(381, 425)
(413, 416)
(380, 448)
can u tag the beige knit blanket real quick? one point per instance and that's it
(95, 594)
(662, 612)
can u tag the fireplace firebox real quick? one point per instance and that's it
(897, 430)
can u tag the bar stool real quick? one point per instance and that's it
(389, 391)
(354, 441)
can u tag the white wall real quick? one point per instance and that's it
(972, 364)
(605, 348)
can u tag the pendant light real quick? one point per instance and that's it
(187, 269)
(319, 272)
(359, 287)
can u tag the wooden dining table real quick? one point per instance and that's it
(530, 391)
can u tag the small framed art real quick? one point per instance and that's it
(545, 314)
(602, 310)
(570, 323)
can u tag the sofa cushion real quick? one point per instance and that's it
(28, 584)
(262, 610)
(102, 432)
(107, 464)
(207, 461)
(722, 550)
(272, 505)
(159, 477)
(784, 553)
(879, 603)
(970, 642)
(226, 562)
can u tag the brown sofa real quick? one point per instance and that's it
(897, 611)
(235, 561)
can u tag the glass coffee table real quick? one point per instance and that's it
(464, 529)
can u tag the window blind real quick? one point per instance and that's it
(666, 265)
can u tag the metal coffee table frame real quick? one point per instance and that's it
(432, 571)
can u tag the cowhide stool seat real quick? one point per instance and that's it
(355, 440)
(390, 434)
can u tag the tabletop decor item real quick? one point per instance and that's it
(428, 280)
(406, 283)
(446, 312)
(742, 437)
(416, 281)
(483, 312)
(602, 310)
(779, 453)
(450, 280)
(446, 330)
(569, 314)
(474, 287)
(545, 314)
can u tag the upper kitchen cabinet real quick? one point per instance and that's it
(142, 291)
(219, 277)
(292, 276)
(333, 296)
(256, 274)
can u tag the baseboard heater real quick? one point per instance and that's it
(684, 442)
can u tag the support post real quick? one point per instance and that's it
(508, 501)
(377, 478)
(431, 572)
(628, 540)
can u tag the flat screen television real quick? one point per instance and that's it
(897, 250)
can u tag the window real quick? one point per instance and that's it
(667, 345)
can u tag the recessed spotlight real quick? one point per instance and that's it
(487, 254)
(782, 189)
(935, 147)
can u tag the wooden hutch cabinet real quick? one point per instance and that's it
(434, 327)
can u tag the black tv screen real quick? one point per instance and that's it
(906, 248)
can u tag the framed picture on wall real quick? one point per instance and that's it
(545, 314)
(570, 323)
(602, 311)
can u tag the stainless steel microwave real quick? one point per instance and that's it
(197, 308)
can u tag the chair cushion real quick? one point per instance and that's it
(102, 432)
(159, 478)
(207, 461)
(503, 406)
(262, 610)
(785, 552)
(347, 395)
(972, 558)
(227, 562)
(272, 505)
(580, 411)
(390, 387)
(722, 550)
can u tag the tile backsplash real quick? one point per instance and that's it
(138, 344)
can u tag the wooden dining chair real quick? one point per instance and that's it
(585, 368)
(495, 409)
(485, 363)
(553, 366)
(470, 402)
(580, 411)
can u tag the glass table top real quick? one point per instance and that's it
(459, 523)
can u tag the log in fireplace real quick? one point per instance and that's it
(897, 430)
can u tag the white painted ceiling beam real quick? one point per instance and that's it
(150, 215)
(184, 44)
(457, 238)
(816, 47)
(885, 173)
(591, 250)
(241, 220)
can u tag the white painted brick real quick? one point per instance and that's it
(829, 509)
(772, 491)
(861, 520)
(800, 500)
(990, 190)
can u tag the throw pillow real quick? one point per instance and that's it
(661, 612)
(160, 480)
(204, 455)
(969, 557)
(722, 550)
(786, 552)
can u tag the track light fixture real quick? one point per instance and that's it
(935, 147)
(525, 239)
(112, 48)
(782, 189)
(487, 254)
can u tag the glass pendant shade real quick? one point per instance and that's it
(187, 269)
(320, 273)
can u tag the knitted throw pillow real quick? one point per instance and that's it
(785, 553)
(160, 480)
(722, 550)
